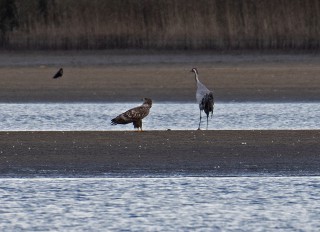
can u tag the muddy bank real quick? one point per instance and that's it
(128, 76)
(209, 153)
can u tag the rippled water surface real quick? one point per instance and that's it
(178, 116)
(161, 204)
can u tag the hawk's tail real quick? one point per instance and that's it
(114, 121)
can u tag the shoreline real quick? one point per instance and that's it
(125, 77)
(160, 153)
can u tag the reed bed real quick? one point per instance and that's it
(165, 24)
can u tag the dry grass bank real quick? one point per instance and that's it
(166, 24)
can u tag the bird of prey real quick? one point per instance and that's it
(204, 97)
(134, 115)
(58, 74)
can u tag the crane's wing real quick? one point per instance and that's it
(207, 103)
(202, 90)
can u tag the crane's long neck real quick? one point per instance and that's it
(196, 77)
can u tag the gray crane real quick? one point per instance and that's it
(204, 98)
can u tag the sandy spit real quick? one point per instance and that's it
(128, 153)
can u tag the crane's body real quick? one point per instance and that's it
(204, 98)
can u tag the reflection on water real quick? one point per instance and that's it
(161, 204)
(177, 116)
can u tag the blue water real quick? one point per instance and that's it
(262, 203)
(163, 116)
(161, 204)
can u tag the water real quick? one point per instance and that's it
(170, 203)
(163, 116)
(161, 204)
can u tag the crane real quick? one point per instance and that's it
(204, 98)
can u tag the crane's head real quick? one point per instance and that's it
(194, 70)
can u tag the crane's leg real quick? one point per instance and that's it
(207, 120)
(200, 121)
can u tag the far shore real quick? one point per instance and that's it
(118, 76)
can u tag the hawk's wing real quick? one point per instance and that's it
(136, 113)
(131, 115)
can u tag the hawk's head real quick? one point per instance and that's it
(147, 101)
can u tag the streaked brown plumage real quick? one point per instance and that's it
(58, 74)
(134, 115)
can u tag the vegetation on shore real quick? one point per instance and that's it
(160, 24)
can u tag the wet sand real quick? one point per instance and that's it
(115, 76)
(128, 153)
